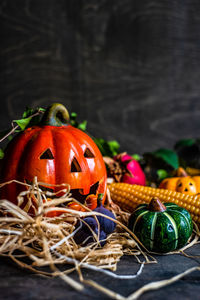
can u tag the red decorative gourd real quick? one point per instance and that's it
(56, 153)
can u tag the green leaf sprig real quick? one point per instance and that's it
(107, 148)
(169, 156)
(75, 123)
(29, 118)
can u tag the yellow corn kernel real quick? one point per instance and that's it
(129, 196)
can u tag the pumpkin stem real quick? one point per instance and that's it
(156, 205)
(180, 172)
(55, 115)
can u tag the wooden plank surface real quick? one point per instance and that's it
(131, 68)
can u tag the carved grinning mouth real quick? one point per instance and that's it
(76, 193)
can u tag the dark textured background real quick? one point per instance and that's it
(131, 68)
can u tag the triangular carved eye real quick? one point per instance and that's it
(47, 154)
(75, 167)
(88, 153)
(94, 187)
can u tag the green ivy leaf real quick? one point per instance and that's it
(1, 153)
(162, 174)
(27, 113)
(185, 143)
(30, 111)
(82, 125)
(110, 148)
(136, 157)
(73, 116)
(114, 147)
(23, 123)
(10, 137)
(28, 119)
(75, 123)
(169, 156)
(41, 109)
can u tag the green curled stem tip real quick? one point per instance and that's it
(56, 115)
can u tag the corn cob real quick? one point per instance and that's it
(129, 196)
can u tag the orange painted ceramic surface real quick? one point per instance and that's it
(187, 185)
(55, 155)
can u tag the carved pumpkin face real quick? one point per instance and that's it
(56, 155)
(182, 183)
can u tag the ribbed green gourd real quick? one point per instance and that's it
(161, 227)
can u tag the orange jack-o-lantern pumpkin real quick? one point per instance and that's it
(182, 183)
(56, 153)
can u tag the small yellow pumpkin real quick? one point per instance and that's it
(182, 183)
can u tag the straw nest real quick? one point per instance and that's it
(37, 241)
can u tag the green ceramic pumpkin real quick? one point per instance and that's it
(161, 227)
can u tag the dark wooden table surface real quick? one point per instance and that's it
(20, 284)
